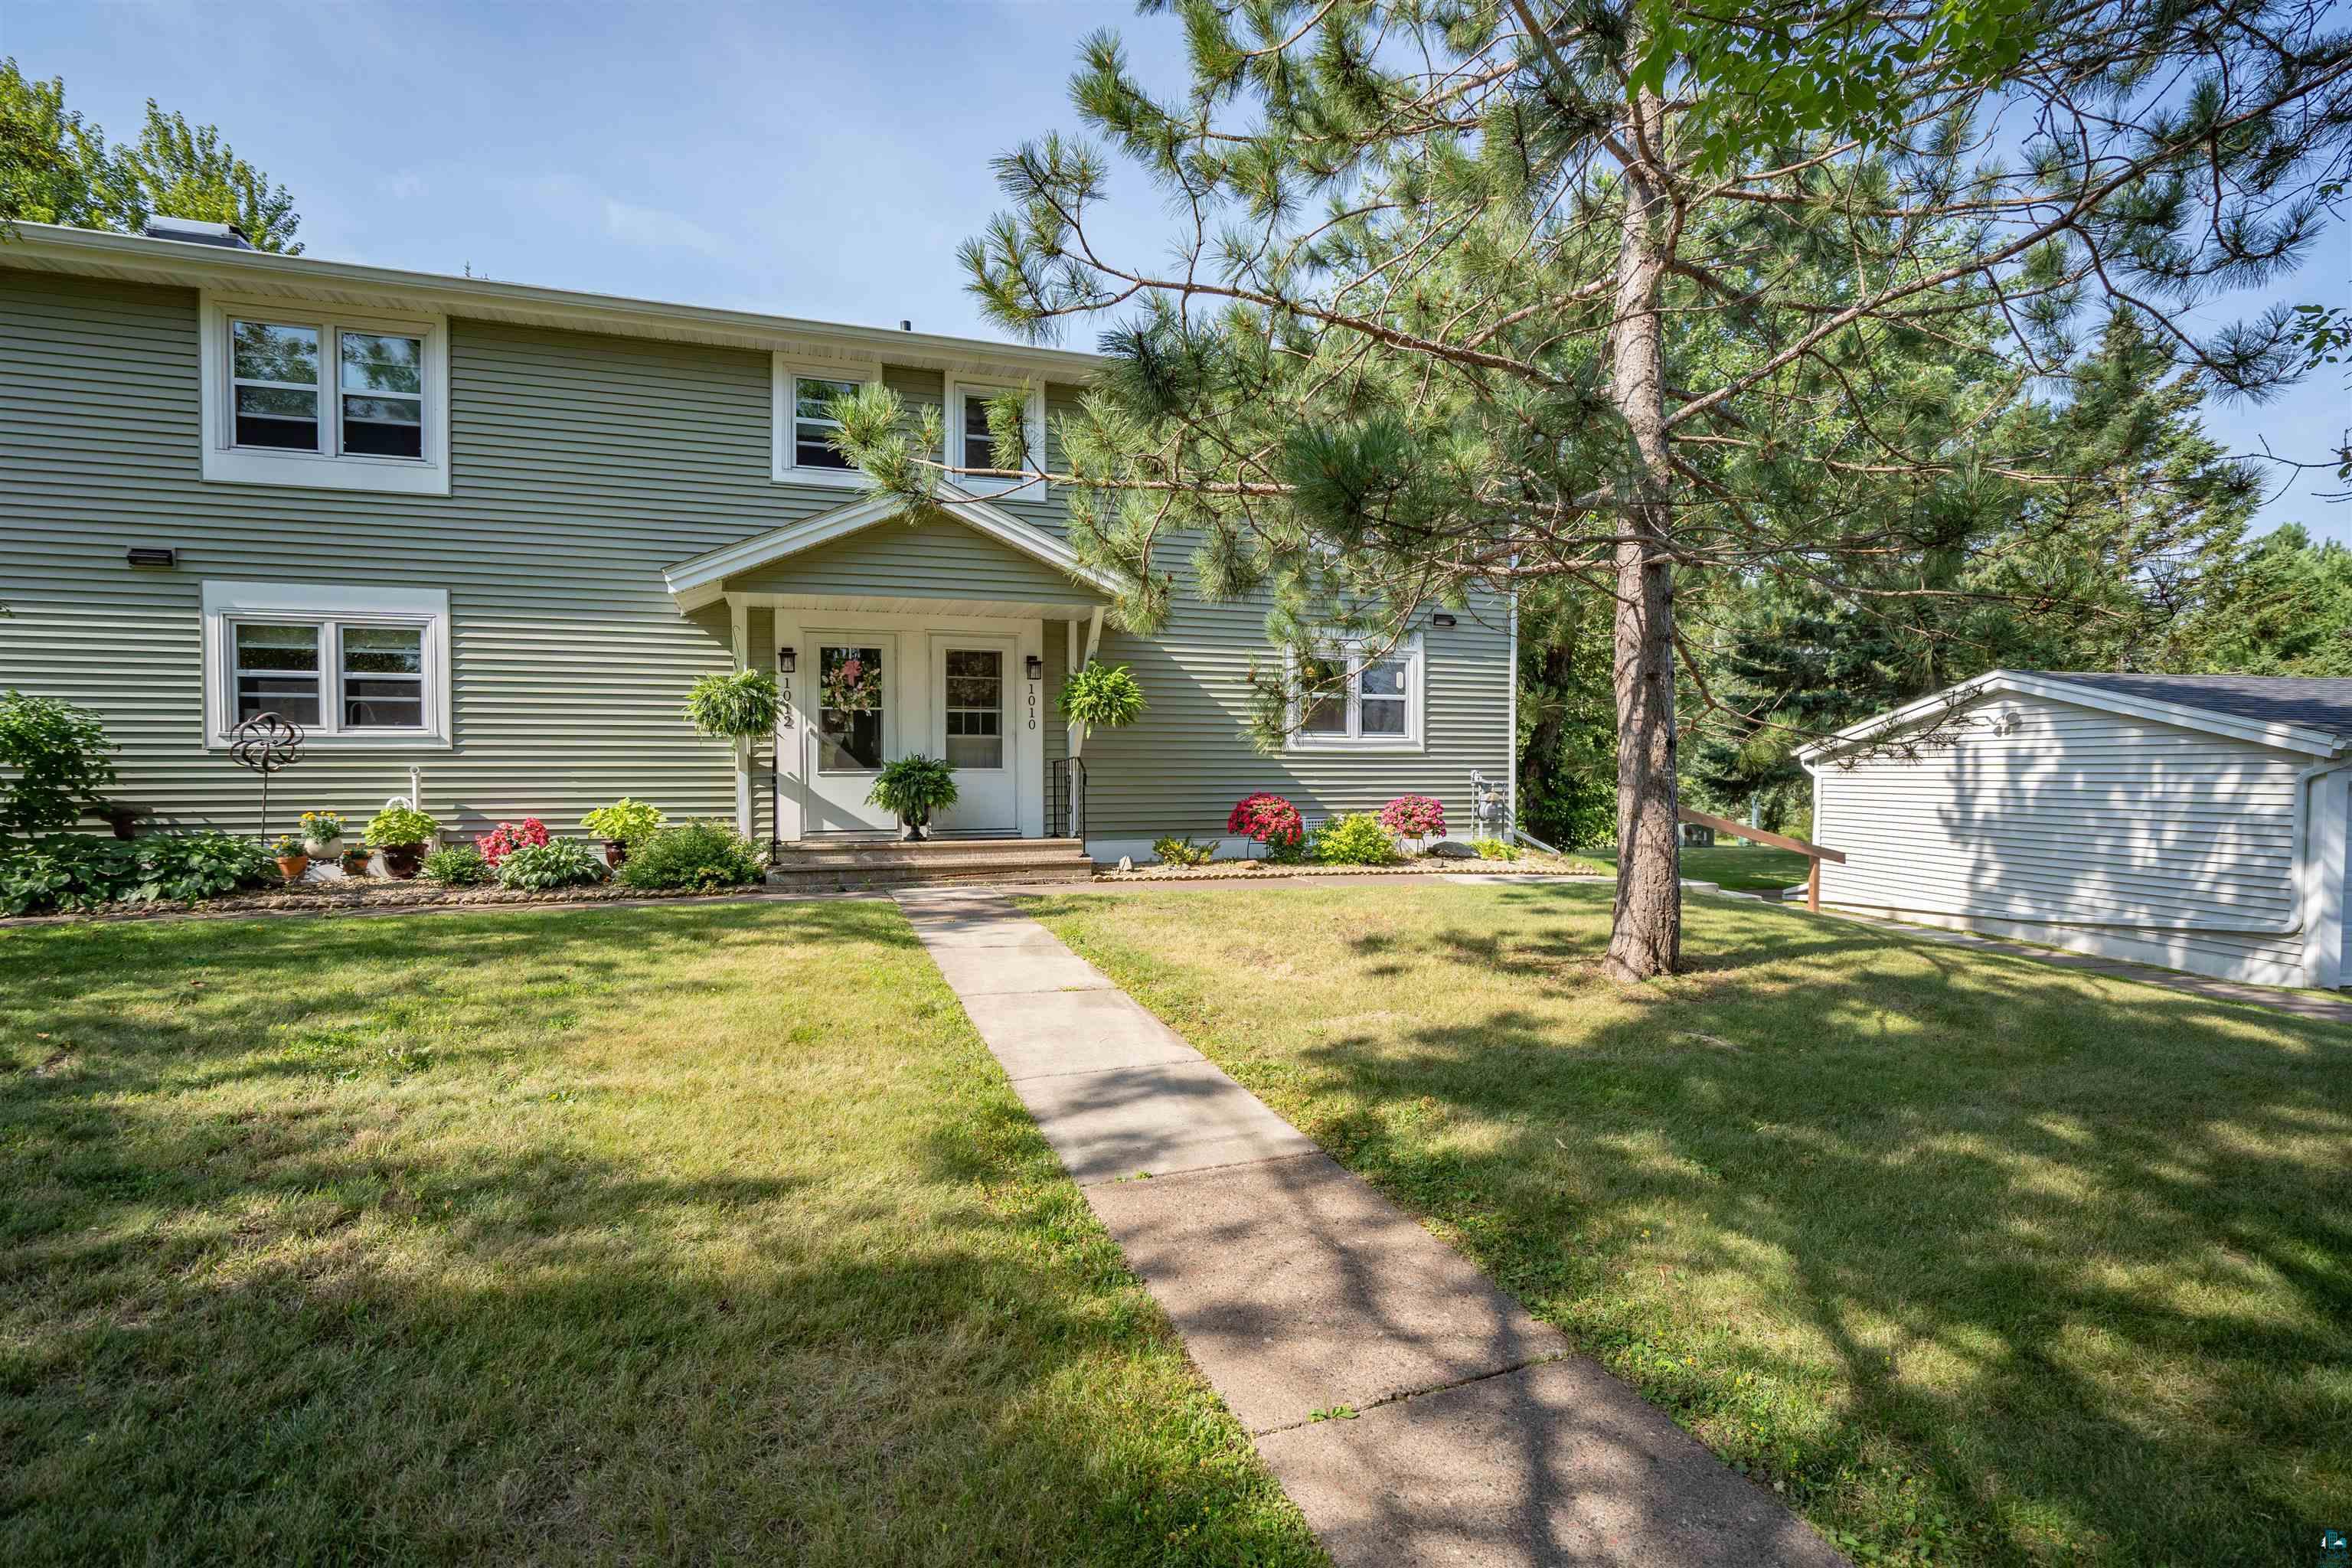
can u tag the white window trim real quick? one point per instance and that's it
(225, 462)
(226, 604)
(1409, 651)
(957, 388)
(788, 369)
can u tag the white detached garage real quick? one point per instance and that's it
(2193, 821)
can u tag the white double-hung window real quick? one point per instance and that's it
(1352, 695)
(971, 444)
(296, 394)
(803, 420)
(367, 667)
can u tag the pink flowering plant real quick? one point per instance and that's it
(509, 837)
(1414, 817)
(1271, 820)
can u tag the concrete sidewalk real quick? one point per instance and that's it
(1413, 1412)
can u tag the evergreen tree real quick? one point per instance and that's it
(1469, 294)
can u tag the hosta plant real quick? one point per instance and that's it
(1173, 851)
(542, 868)
(400, 825)
(82, 871)
(625, 821)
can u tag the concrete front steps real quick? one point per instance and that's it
(866, 865)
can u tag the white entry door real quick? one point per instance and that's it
(848, 743)
(972, 685)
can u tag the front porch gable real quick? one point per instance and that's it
(703, 579)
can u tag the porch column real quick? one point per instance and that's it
(740, 615)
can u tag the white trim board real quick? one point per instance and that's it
(701, 579)
(2181, 715)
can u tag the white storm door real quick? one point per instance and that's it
(971, 706)
(848, 745)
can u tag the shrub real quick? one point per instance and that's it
(1183, 852)
(1104, 694)
(1269, 819)
(1356, 838)
(1414, 817)
(52, 764)
(321, 826)
(456, 866)
(913, 787)
(735, 707)
(625, 821)
(1495, 850)
(81, 871)
(400, 825)
(509, 837)
(705, 854)
(559, 863)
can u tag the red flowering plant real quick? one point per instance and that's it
(509, 837)
(1414, 817)
(1272, 820)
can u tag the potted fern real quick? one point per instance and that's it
(1100, 694)
(911, 788)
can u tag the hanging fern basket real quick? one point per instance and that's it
(738, 707)
(1101, 694)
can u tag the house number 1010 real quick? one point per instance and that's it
(1032, 705)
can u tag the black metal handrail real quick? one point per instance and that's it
(1065, 798)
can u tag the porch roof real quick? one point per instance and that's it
(701, 579)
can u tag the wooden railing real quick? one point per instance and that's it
(1814, 854)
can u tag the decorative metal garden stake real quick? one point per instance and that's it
(265, 742)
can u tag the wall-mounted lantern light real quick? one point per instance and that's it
(787, 659)
(1441, 622)
(1036, 668)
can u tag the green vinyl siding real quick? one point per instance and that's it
(581, 466)
(941, 559)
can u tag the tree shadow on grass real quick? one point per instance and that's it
(2075, 1258)
(844, 1309)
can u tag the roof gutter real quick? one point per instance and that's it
(136, 257)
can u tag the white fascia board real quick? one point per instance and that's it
(1966, 693)
(137, 259)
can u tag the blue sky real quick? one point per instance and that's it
(810, 160)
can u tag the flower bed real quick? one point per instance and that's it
(1269, 870)
(342, 896)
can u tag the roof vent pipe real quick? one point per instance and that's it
(906, 326)
(196, 231)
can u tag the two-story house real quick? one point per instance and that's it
(492, 533)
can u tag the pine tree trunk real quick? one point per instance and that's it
(1645, 938)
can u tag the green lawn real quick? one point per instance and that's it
(1977, 1261)
(679, 1235)
(1742, 868)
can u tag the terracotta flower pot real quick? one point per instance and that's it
(355, 862)
(615, 853)
(291, 866)
(401, 860)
